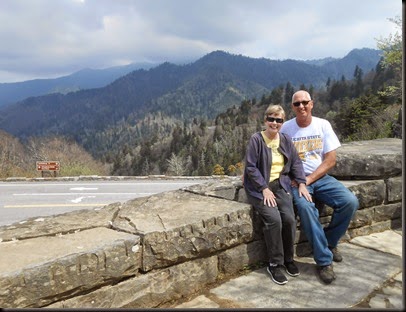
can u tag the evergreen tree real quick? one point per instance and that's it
(359, 84)
(289, 90)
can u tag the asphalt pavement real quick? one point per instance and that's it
(20, 200)
(370, 276)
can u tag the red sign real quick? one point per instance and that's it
(48, 165)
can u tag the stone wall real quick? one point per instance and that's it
(148, 251)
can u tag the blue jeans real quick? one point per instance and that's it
(334, 194)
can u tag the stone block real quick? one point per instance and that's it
(326, 211)
(200, 301)
(325, 220)
(303, 249)
(242, 196)
(387, 212)
(149, 290)
(396, 224)
(177, 226)
(373, 159)
(300, 236)
(167, 248)
(70, 222)
(373, 228)
(233, 260)
(370, 194)
(226, 188)
(362, 217)
(62, 266)
(394, 189)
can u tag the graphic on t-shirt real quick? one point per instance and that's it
(309, 148)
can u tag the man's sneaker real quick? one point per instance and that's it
(276, 273)
(326, 273)
(337, 257)
(291, 269)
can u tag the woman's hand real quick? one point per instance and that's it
(269, 198)
(304, 192)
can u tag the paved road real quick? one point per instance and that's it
(22, 200)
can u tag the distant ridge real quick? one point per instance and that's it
(97, 78)
(201, 89)
(80, 80)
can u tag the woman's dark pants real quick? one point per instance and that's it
(279, 224)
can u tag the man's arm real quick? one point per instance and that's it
(328, 163)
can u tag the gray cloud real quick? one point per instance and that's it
(49, 38)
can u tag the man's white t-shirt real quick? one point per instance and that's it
(312, 142)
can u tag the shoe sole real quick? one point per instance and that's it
(275, 281)
(293, 275)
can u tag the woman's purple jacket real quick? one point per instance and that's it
(258, 162)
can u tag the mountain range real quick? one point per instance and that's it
(84, 79)
(201, 89)
(96, 78)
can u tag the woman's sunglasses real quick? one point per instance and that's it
(272, 119)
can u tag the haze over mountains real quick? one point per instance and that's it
(97, 78)
(83, 79)
(201, 89)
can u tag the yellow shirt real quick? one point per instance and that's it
(277, 158)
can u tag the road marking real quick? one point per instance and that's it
(64, 194)
(13, 184)
(54, 205)
(79, 199)
(83, 188)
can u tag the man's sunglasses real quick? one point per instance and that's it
(271, 119)
(297, 104)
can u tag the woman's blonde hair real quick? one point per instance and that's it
(274, 109)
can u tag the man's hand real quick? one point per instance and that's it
(302, 189)
(269, 198)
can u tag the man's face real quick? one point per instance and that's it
(302, 105)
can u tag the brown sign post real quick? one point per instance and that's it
(48, 166)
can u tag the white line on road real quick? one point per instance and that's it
(55, 205)
(83, 188)
(79, 199)
(64, 194)
(11, 184)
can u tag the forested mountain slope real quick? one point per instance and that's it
(174, 132)
(201, 89)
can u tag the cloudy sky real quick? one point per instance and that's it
(52, 38)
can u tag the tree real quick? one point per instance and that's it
(289, 90)
(231, 170)
(392, 58)
(276, 96)
(362, 119)
(328, 83)
(359, 84)
(392, 48)
(13, 160)
(74, 159)
(218, 170)
(176, 165)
